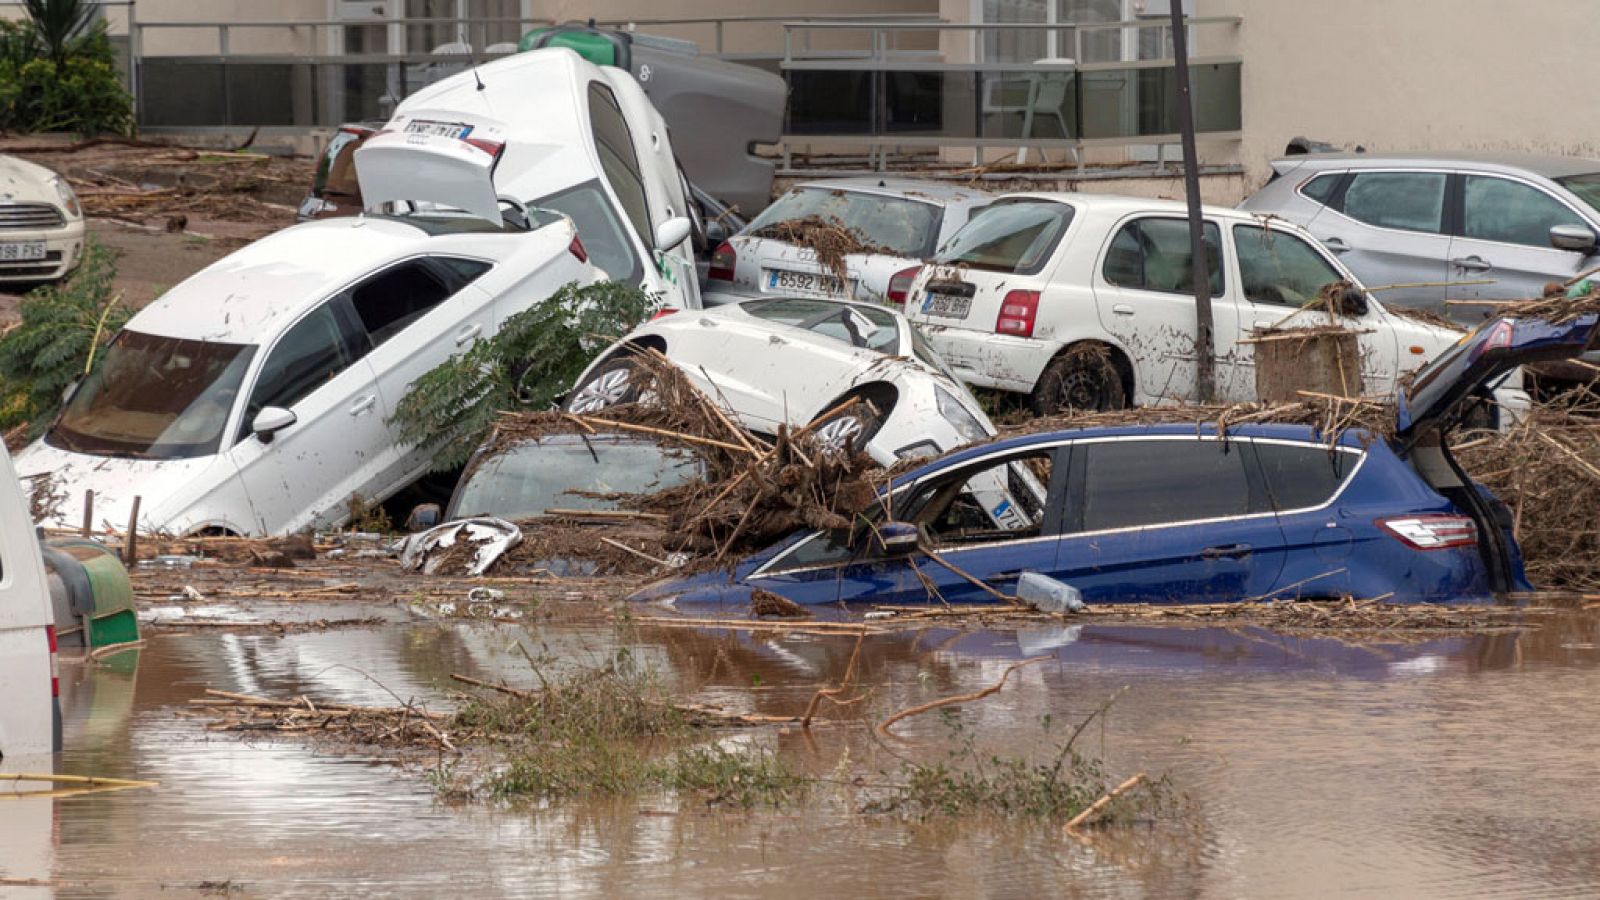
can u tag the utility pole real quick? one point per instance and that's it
(1204, 346)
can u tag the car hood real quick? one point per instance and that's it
(165, 486)
(25, 182)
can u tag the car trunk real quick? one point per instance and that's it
(1445, 392)
(433, 158)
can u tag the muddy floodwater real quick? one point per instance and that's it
(1448, 766)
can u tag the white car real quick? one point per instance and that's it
(791, 360)
(41, 223)
(910, 219)
(547, 129)
(255, 397)
(30, 714)
(1036, 278)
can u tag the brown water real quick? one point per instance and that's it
(1453, 766)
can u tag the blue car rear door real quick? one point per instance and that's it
(1320, 536)
(1168, 519)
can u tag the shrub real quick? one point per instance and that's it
(59, 76)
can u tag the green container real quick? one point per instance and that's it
(84, 563)
(597, 47)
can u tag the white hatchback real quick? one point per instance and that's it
(254, 397)
(905, 220)
(1035, 278)
(41, 223)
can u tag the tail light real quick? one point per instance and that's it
(55, 665)
(1499, 338)
(723, 259)
(493, 148)
(1017, 314)
(900, 285)
(1435, 532)
(663, 312)
(576, 248)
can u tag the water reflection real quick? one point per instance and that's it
(1441, 765)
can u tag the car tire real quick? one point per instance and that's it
(852, 427)
(619, 381)
(1083, 378)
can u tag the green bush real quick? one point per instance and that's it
(50, 348)
(61, 86)
(532, 359)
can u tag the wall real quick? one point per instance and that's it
(1421, 74)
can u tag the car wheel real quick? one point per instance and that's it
(613, 384)
(848, 430)
(1083, 378)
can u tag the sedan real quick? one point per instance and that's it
(1171, 513)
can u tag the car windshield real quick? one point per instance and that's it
(892, 225)
(1008, 237)
(599, 229)
(154, 397)
(1585, 187)
(570, 472)
(858, 326)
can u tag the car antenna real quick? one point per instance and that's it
(472, 56)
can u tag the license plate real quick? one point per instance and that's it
(948, 306)
(804, 282)
(21, 251)
(439, 129)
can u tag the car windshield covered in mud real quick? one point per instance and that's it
(567, 472)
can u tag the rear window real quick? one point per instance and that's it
(1410, 201)
(897, 225)
(1300, 477)
(1321, 187)
(1131, 484)
(1009, 237)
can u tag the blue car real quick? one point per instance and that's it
(1175, 513)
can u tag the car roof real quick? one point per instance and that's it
(1546, 166)
(930, 191)
(1119, 204)
(248, 295)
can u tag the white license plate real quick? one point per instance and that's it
(804, 282)
(440, 129)
(947, 305)
(21, 251)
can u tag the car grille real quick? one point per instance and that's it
(30, 215)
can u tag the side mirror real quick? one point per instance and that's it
(1352, 301)
(271, 420)
(1572, 237)
(894, 539)
(423, 517)
(672, 232)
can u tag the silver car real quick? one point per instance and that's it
(1458, 227)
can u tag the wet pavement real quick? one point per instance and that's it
(1455, 765)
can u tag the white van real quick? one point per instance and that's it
(30, 706)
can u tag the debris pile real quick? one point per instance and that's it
(405, 726)
(1330, 415)
(831, 239)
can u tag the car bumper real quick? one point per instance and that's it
(987, 360)
(63, 249)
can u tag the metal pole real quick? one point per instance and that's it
(1204, 346)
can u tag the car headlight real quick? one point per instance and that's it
(69, 200)
(966, 424)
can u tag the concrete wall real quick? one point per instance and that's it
(1415, 75)
(201, 41)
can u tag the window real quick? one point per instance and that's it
(1413, 201)
(858, 326)
(570, 472)
(1321, 187)
(901, 227)
(1018, 238)
(1005, 501)
(1585, 187)
(1496, 209)
(393, 299)
(1278, 267)
(308, 356)
(1154, 255)
(614, 142)
(599, 228)
(1131, 484)
(1300, 477)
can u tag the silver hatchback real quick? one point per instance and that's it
(1437, 228)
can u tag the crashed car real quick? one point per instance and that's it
(1169, 513)
(898, 222)
(799, 360)
(1086, 301)
(546, 129)
(255, 396)
(41, 223)
(535, 477)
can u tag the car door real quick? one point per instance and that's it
(1388, 227)
(1303, 481)
(1144, 291)
(415, 314)
(1504, 237)
(1167, 519)
(305, 474)
(1281, 274)
(976, 542)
